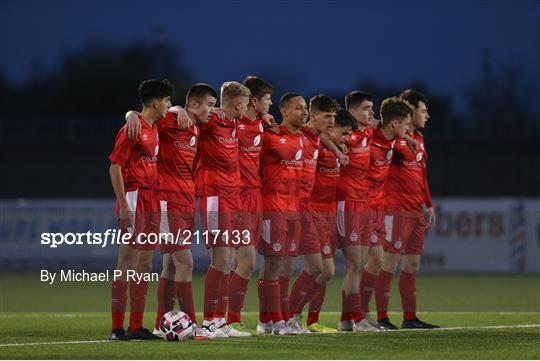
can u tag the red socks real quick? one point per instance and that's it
(284, 296)
(350, 307)
(271, 293)
(184, 294)
(367, 283)
(212, 288)
(315, 304)
(382, 293)
(223, 296)
(118, 304)
(137, 295)
(237, 293)
(407, 289)
(264, 315)
(165, 293)
(303, 289)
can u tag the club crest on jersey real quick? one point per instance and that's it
(315, 154)
(364, 142)
(192, 141)
(397, 244)
(277, 246)
(298, 155)
(389, 154)
(354, 236)
(373, 238)
(326, 249)
(293, 247)
(257, 140)
(419, 157)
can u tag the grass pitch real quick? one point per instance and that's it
(485, 317)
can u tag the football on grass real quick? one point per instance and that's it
(176, 326)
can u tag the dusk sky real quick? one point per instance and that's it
(321, 45)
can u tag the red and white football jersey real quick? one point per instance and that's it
(381, 153)
(250, 135)
(138, 158)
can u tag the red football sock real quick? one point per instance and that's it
(367, 283)
(137, 295)
(272, 296)
(212, 284)
(184, 294)
(264, 315)
(284, 294)
(302, 291)
(118, 304)
(237, 293)
(165, 291)
(350, 307)
(382, 293)
(223, 296)
(315, 304)
(407, 289)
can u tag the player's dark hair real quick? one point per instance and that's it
(258, 86)
(323, 103)
(355, 98)
(155, 89)
(199, 91)
(395, 108)
(413, 97)
(346, 119)
(286, 99)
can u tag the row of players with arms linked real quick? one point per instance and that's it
(324, 178)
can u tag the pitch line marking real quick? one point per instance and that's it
(401, 330)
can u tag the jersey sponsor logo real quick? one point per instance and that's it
(228, 140)
(189, 146)
(419, 157)
(329, 170)
(364, 142)
(298, 155)
(389, 154)
(156, 150)
(257, 140)
(315, 154)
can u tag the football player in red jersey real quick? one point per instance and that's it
(217, 179)
(407, 191)
(178, 147)
(353, 210)
(250, 133)
(323, 204)
(322, 114)
(396, 119)
(281, 162)
(134, 176)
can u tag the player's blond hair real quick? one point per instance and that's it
(232, 90)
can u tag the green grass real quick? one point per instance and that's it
(32, 312)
